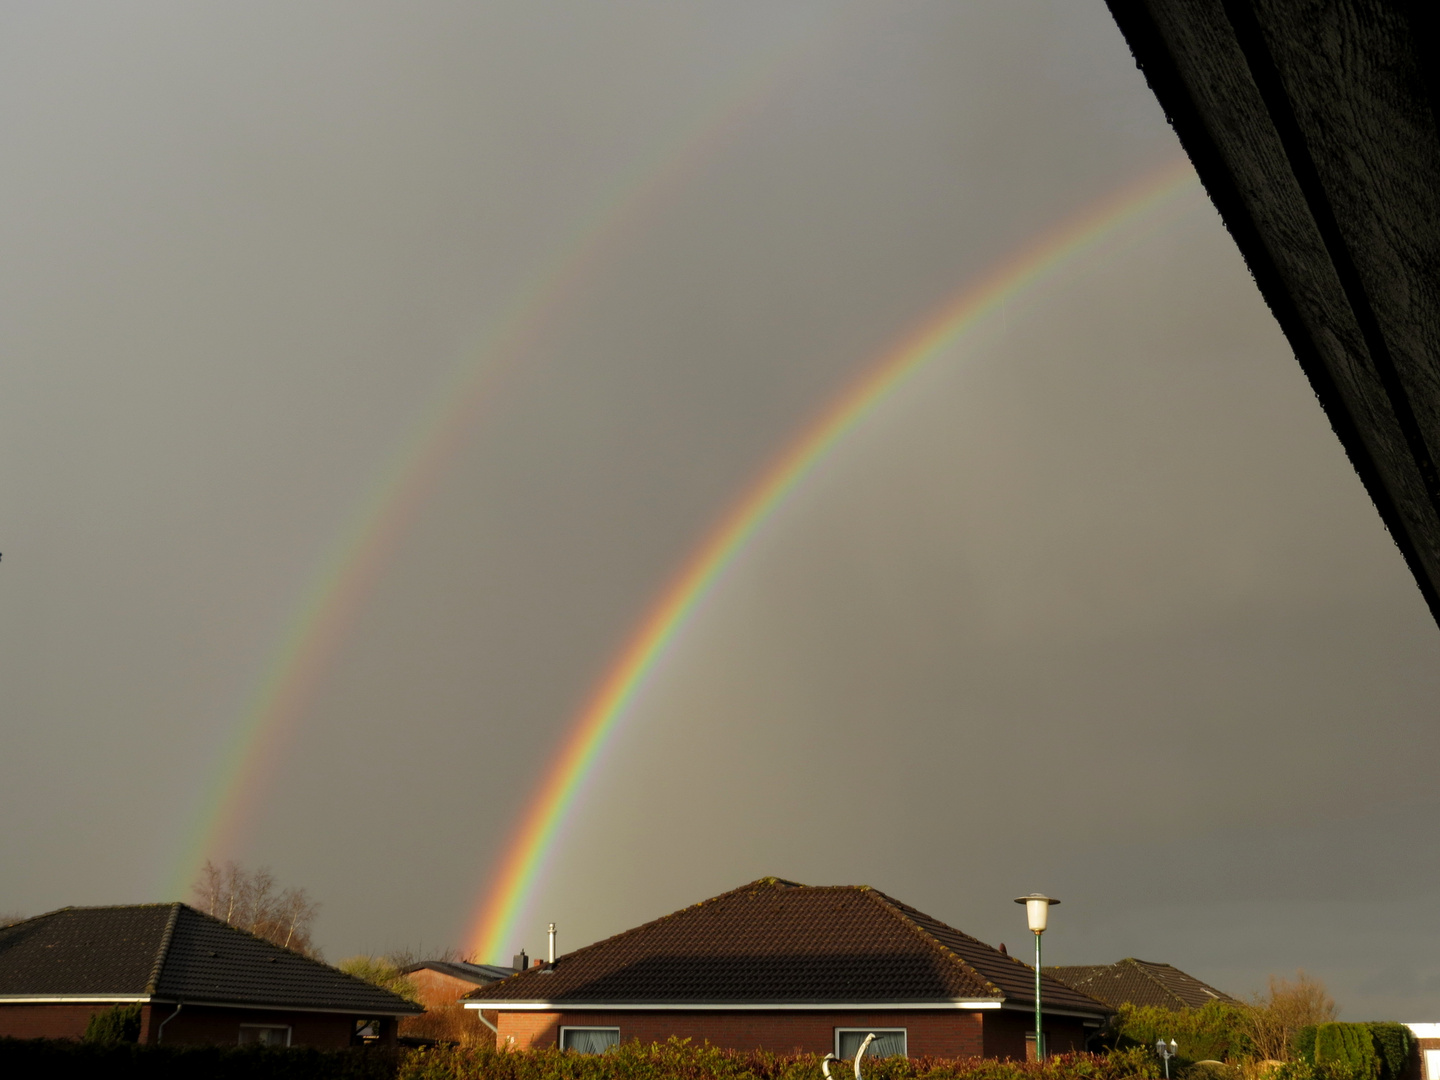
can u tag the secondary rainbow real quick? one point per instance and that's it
(346, 574)
(494, 922)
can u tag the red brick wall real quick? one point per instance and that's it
(1417, 1066)
(195, 1025)
(46, 1021)
(1005, 1032)
(437, 988)
(198, 1025)
(935, 1032)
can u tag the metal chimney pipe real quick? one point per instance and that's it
(552, 943)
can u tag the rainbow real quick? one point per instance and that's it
(347, 572)
(524, 858)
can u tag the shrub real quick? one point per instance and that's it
(1216, 1032)
(1290, 1005)
(61, 1059)
(680, 1060)
(1346, 1050)
(120, 1024)
(1393, 1046)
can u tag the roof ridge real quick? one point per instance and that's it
(161, 953)
(896, 906)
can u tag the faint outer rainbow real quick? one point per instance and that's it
(494, 922)
(346, 574)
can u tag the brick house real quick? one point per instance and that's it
(1139, 982)
(197, 980)
(444, 982)
(780, 966)
(1427, 1042)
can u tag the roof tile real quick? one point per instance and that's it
(175, 953)
(778, 942)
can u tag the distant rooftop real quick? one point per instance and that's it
(478, 974)
(1138, 982)
(172, 952)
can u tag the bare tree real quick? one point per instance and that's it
(249, 899)
(1290, 1004)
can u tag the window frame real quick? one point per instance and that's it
(904, 1034)
(560, 1039)
(287, 1028)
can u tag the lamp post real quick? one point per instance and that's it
(1166, 1052)
(1037, 914)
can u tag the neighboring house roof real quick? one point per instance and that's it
(172, 952)
(479, 974)
(1139, 982)
(775, 943)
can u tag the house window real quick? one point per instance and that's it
(264, 1035)
(888, 1042)
(588, 1040)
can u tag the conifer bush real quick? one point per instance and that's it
(1345, 1050)
(119, 1024)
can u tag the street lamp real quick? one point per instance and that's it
(1037, 914)
(1167, 1052)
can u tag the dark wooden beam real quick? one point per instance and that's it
(1312, 124)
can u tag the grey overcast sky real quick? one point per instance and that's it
(1093, 605)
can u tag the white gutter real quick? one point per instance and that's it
(673, 1006)
(487, 1023)
(76, 999)
(160, 1031)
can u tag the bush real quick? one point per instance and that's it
(1373, 1051)
(120, 1024)
(61, 1059)
(1394, 1044)
(1216, 1032)
(680, 1060)
(1346, 1051)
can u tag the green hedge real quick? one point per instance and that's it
(680, 1060)
(1394, 1046)
(58, 1059)
(1374, 1051)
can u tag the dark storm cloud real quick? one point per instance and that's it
(1096, 607)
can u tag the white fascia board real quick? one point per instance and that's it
(686, 1006)
(1425, 1031)
(74, 999)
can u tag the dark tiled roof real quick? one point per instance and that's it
(479, 974)
(1139, 982)
(777, 942)
(175, 953)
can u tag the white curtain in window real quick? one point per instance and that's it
(589, 1040)
(887, 1043)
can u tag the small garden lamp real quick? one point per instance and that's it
(1167, 1051)
(1037, 914)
